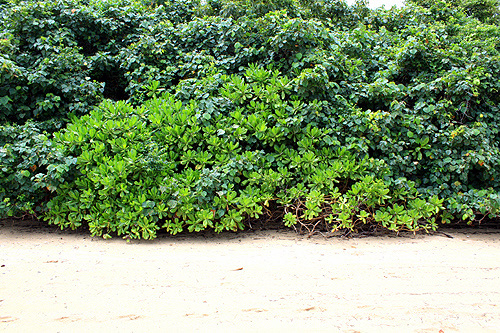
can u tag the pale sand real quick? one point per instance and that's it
(53, 281)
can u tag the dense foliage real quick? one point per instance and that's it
(193, 115)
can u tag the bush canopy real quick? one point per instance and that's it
(129, 116)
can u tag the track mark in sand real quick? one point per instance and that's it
(254, 310)
(130, 316)
(309, 309)
(7, 319)
(68, 319)
(196, 315)
(312, 308)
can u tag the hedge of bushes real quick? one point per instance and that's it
(132, 116)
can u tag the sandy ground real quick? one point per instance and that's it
(52, 281)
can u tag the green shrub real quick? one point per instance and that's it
(409, 94)
(222, 161)
(60, 57)
(26, 156)
(487, 11)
